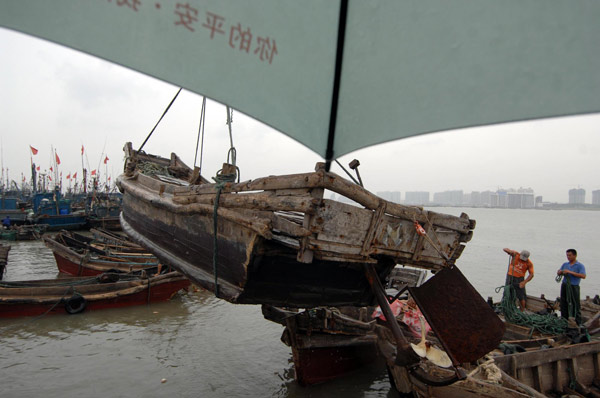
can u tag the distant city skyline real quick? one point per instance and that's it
(500, 198)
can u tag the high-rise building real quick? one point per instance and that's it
(391, 196)
(499, 198)
(486, 198)
(576, 196)
(596, 197)
(539, 202)
(449, 198)
(417, 198)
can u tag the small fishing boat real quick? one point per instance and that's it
(540, 363)
(330, 342)
(542, 318)
(79, 257)
(103, 211)
(116, 241)
(13, 208)
(76, 294)
(56, 212)
(545, 369)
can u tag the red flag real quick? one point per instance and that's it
(38, 168)
(33, 150)
(74, 175)
(51, 169)
(69, 176)
(108, 178)
(93, 172)
(57, 158)
(50, 178)
(106, 160)
(82, 150)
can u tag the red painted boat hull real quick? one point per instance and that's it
(318, 365)
(159, 292)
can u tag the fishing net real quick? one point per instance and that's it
(545, 324)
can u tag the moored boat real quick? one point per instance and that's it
(541, 372)
(56, 212)
(82, 258)
(76, 294)
(330, 342)
(542, 318)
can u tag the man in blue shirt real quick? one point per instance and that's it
(572, 271)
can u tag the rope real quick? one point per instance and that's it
(156, 125)
(434, 232)
(572, 378)
(221, 180)
(69, 289)
(200, 139)
(151, 169)
(84, 260)
(543, 323)
(421, 232)
(229, 121)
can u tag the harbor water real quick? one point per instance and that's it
(198, 346)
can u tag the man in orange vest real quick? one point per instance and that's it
(519, 266)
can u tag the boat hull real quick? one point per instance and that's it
(250, 269)
(44, 300)
(317, 364)
(277, 240)
(74, 263)
(60, 222)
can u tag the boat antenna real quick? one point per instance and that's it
(156, 125)
(200, 139)
(347, 172)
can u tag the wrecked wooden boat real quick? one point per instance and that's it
(80, 256)
(539, 372)
(78, 294)
(277, 240)
(330, 342)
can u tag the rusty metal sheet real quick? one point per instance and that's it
(465, 324)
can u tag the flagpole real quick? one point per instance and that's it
(83, 178)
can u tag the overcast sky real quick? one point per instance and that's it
(52, 96)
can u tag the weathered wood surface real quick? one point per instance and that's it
(341, 230)
(541, 357)
(51, 291)
(289, 232)
(553, 369)
(337, 184)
